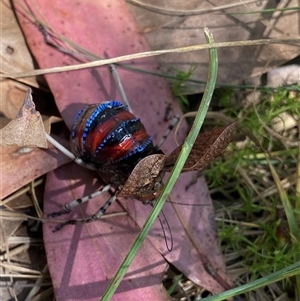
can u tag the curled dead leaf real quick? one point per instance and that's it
(48, 121)
(145, 181)
(208, 146)
(27, 129)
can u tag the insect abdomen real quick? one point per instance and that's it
(108, 133)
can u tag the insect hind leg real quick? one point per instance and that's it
(93, 218)
(168, 131)
(69, 206)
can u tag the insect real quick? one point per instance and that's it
(109, 138)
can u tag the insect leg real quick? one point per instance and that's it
(168, 131)
(93, 218)
(69, 206)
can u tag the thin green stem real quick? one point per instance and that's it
(186, 148)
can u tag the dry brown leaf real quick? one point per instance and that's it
(12, 97)
(142, 182)
(145, 181)
(21, 165)
(14, 55)
(26, 129)
(208, 146)
(48, 121)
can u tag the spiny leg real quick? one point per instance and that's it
(69, 206)
(168, 131)
(93, 218)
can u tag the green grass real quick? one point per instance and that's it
(256, 191)
(178, 84)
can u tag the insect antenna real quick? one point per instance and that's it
(120, 87)
(54, 41)
(169, 247)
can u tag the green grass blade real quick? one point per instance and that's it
(186, 148)
(292, 270)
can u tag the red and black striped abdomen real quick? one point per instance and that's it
(108, 134)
